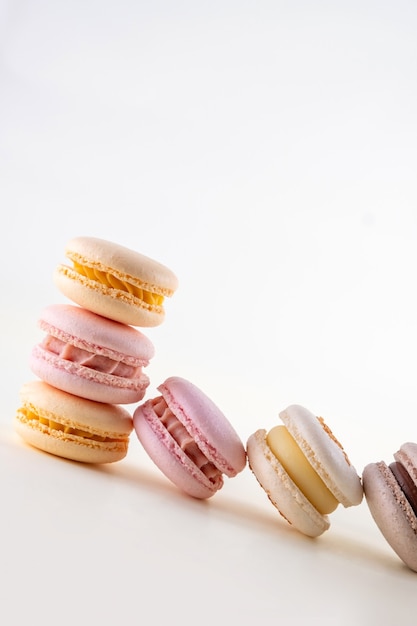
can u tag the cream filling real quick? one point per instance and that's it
(110, 280)
(291, 457)
(29, 414)
(97, 362)
(185, 441)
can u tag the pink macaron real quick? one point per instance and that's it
(189, 438)
(91, 356)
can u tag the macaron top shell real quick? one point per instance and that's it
(324, 453)
(130, 265)
(407, 456)
(208, 426)
(97, 334)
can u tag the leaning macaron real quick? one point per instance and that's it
(391, 495)
(72, 427)
(304, 470)
(116, 282)
(91, 356)
(189, 438)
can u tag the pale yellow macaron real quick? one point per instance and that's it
(115, 282)
(304, 470)
(72, 427)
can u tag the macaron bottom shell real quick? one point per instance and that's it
(85, 382)
(73, 448)
(116, 304)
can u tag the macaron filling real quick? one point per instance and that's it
(29, 415)
(406, 483)
(289, 454)
(104, 361)
(185, 441)
(108, 279)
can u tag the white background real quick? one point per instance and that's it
(265, 152)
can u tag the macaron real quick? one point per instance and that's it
(116, 282)
(188, 438)
(91, 356)
(391, 495)
(304, 470)
(72, 427)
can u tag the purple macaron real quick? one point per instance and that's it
(391, 494)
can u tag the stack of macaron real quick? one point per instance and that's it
(90, 363)
(91, 359)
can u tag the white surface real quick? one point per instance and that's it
(266, 152)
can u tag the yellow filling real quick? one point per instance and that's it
(155, 299)
(30, 415)
(291, 457)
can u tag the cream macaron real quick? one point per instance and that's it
(304, 470)
(72, 427)
(115, 281)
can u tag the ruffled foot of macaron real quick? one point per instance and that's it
(189, 438)
(72, 427)
(304, 470)
(391, 495)
(116, 282)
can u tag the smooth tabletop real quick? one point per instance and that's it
(266, 153)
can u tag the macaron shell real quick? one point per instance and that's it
(99, 334)
(324, 453)
(107, 426)
(391, 511)
(407, 455)
(95, 452)
(168, 456)
(143, 270)
(281, 490)
(208, 426)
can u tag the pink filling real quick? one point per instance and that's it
(182, 437)
(97, 362)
